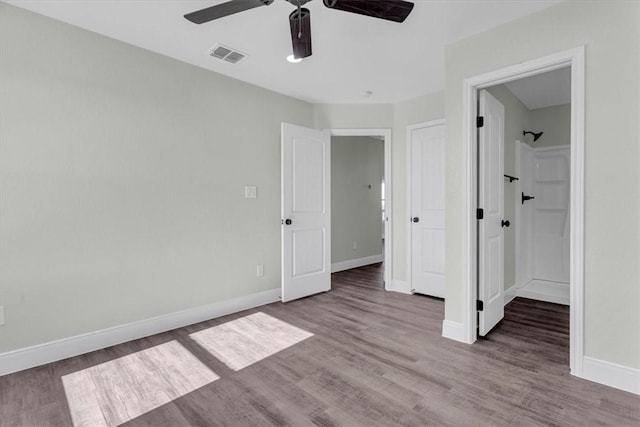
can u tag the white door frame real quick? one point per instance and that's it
(388, 189)
(411, 128)
(575, 59)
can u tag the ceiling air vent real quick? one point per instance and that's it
(227, 54)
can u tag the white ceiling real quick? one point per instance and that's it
(352, 54)
(543, 90)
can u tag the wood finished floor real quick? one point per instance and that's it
(376, 359)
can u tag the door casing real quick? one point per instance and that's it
(574, 58)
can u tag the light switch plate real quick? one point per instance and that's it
(250, 192)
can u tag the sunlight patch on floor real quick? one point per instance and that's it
(242, 342)
(120, 390)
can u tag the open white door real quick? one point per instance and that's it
(427, 145)
(306, 212)
(491, 201)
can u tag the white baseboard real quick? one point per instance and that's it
(543, 290)
(355, 263)
(398, 286)
(611, 374)
(29, 357)
(510, 294)
(454, 331)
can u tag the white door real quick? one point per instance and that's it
(491, 200)
(306, 212)
(427, 145)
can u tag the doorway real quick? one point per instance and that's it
(476, 259)
(354, 234)
(357, 202)
(533, 145)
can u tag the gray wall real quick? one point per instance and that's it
(357, 162)
(611, 33)
(122, 182)
(555, 122)
(122, 174)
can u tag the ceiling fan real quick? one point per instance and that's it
(300, 19)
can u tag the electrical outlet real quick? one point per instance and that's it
(260, 270)
(1, 315)
(355, 245)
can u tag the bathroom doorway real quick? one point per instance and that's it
(487, 221)
(535, 133)
(537, 170)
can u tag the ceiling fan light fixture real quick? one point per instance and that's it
(300, 23)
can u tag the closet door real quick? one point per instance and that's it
(427, 230)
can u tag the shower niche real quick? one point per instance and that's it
(543, 223)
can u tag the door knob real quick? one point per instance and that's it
(505, 223)
(287, 221)
(415, 219)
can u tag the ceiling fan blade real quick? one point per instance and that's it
(300, 33)
(391, 10)
(224, 9)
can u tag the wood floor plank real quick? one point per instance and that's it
(363, 357)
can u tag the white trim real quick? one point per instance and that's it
(454, 331)
(29, 357)
(510, 294)
(611, 374)
(388, 186)
(409, 129)
(398, 286)
(576, 261)
(469, 149)
(355, 263)
(545, 290)
(575, 59)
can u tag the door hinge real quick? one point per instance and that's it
(479, 213)
(479, 305)
(479, 121)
